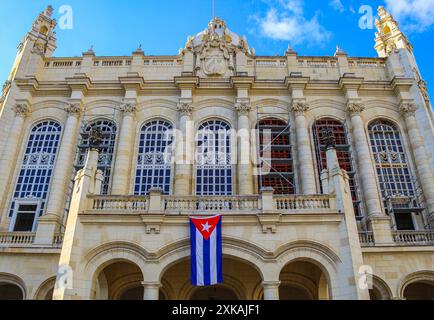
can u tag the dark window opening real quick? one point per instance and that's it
(25, 218)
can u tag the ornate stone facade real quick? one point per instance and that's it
(313, 243)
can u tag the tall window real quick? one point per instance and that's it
(343, 150)
(34, 179)
(108, 128)
(391, 161)
(276, 153)
(213, 159)
(154, 157)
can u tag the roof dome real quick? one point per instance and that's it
(218, 31)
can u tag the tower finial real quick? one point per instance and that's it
(49, 11)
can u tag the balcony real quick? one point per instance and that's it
(255, 204)
(25, 240)
(419, 238)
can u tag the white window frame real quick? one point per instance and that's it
(28, 202)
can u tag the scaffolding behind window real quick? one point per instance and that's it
(154, 157)
(275, 151)
(213, 159)
(343, 150)
(108, 128)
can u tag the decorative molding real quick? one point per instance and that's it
(424, 91)
(407, 109)
(5, 91)
(299, 108)
(355, 108)
(74, 109)
(22, 110)
(243, 108)
(185, 108)
(128, 108)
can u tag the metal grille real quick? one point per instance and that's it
(108, 128)
(275, 151)
(389, 153)
(343, 150)
(38, 163)
(213, 159)
(154, 157)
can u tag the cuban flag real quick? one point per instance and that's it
(206, 251)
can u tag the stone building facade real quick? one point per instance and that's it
(322, 168)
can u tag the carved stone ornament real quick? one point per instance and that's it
(424, 91)
(74, 109)
(355, 108)
(407, 109)
(5, 90)
(243, 108)
(129, 108)
(185, 108)
(22, 110)
(299, 108)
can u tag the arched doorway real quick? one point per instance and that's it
(380, 290)
(10, 291)
(303, 280)
(241, 281)
(121, 280)
(420, 290)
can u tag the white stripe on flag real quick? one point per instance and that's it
(213, 257)
(199, 258)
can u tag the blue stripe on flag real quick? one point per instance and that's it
(206, 262)
(193, 254)
(219, 252)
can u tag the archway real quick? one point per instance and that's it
(46, 290)
(303, 280)
(420, 290)
(240, 280)
(11, 287)
(380, 290)
(120, 280)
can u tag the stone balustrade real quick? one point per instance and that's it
(367, 239)
(20, 239)
(302, 202)
(119, 203)
(406, 238)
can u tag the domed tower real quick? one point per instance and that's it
(215, 50)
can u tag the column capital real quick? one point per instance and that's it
(299, 107)
(74, 109)
(185, 108)
(22, 110)
(355, 108)
(243, 107)
(271, 284)
(128, 108)
(407, 109)
(151, 284)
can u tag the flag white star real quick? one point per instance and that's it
(206, 227)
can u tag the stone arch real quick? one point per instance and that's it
(43, 291)
(231, 283)
(424, 276)
(317, 254)
(380, 289)
(158, 103)
(48, 104)
(11, 279)
(274, 103)
(103, 103)
(215, 102)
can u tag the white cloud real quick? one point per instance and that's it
(414, 15)
(337, 5)
(290, 24)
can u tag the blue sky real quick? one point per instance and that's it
(161, 27)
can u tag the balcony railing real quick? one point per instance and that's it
(367, 239)
(18, 239)
(120, 203)
(250, 204)
(414, 237)
(301, 202)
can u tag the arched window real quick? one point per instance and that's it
(343, 150)
(108, 128)
(277, 168)
(213, 159)
(154, 157)
(34, 179)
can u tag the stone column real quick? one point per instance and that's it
(8, 163)
(271, 290)
(367, 173)
(124, 152)
(184, 150)
(424, 171)
(48, 224)
(245, 171)
(151, 290)
(305, 159)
